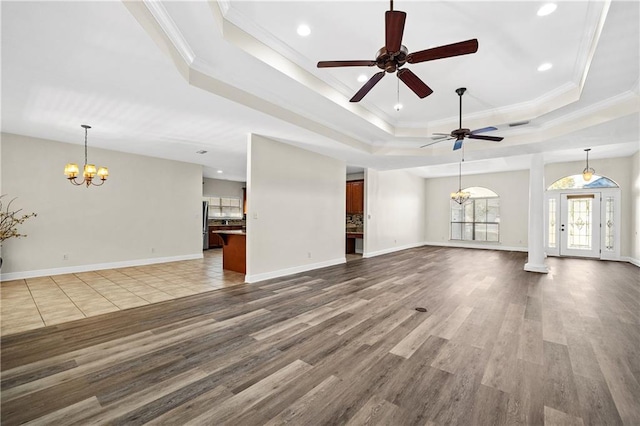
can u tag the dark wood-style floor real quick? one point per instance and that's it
(345, 345)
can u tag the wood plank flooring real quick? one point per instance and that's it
(345, 345)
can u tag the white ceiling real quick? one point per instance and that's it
(167, 79)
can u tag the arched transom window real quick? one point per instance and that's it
(478, 218)
(577, 182)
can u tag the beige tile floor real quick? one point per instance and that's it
(37, 302)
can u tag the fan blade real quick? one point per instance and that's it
(367, 86)
(440, 134)
(486, 138)
(394, 28)
(447, 51)
(414, 83)
(330, 64)
(483, 130)
(433, 143)
(458, 144)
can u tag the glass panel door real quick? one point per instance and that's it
(580, 225)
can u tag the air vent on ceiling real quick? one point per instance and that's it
(518, 123)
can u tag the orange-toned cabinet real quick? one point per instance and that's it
(355, 197)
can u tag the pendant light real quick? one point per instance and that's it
(71, 170)
(588, 172)
(460, 196)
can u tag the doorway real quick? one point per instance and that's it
(580, 225)
(583, 223)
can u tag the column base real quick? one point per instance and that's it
(540, 268)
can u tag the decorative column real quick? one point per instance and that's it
(535, 263)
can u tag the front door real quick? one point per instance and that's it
(580, 224)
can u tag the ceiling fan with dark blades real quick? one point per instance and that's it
(393, 55)
(461, 133)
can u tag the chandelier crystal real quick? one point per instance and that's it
(460, 196)
(89, 171)
(588, 172)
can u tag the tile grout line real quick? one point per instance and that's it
(33, 299)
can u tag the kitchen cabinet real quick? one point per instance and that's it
(355, 197)
(244, 201)
(234, 249)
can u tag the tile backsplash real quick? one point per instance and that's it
(217, 222)
(355, 222)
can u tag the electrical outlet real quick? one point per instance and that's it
(65, 257)
(309, 255)
(153, 250)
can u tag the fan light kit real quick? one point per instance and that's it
(459, 134)
(393, 55)
(89, 170)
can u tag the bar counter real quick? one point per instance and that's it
(234, 250)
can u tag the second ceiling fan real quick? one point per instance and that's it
(460, 133)
(393, 55)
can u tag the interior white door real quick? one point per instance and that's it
(580, 224)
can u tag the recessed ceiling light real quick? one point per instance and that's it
(304, 30)
(219, 171)
(545, 67)
(362, 78)
(547, 9)
(202, 151)
(397, 106)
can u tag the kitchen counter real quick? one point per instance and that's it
(234, 249)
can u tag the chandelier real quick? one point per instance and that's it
(89, 171)
(588, 172)
(460, 196)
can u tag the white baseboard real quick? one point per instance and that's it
(631, 260)
(95, 267)
(541, 269)
(295, 270)
(494, 246)
(392, 250)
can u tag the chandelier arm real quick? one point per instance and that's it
(102, 181)
(75, 182)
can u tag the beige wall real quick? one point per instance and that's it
(296, 209)
(513, 189)
(634, 251)
(148, 210)
(395, 204)
(618, 169)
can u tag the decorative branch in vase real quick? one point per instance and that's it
(9, 221)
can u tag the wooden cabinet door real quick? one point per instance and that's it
(355, 197)
(349, 198)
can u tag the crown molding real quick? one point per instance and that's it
(257, 42)
(171, 30)
(583, 63)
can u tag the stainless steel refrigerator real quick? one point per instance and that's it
(205, 225)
